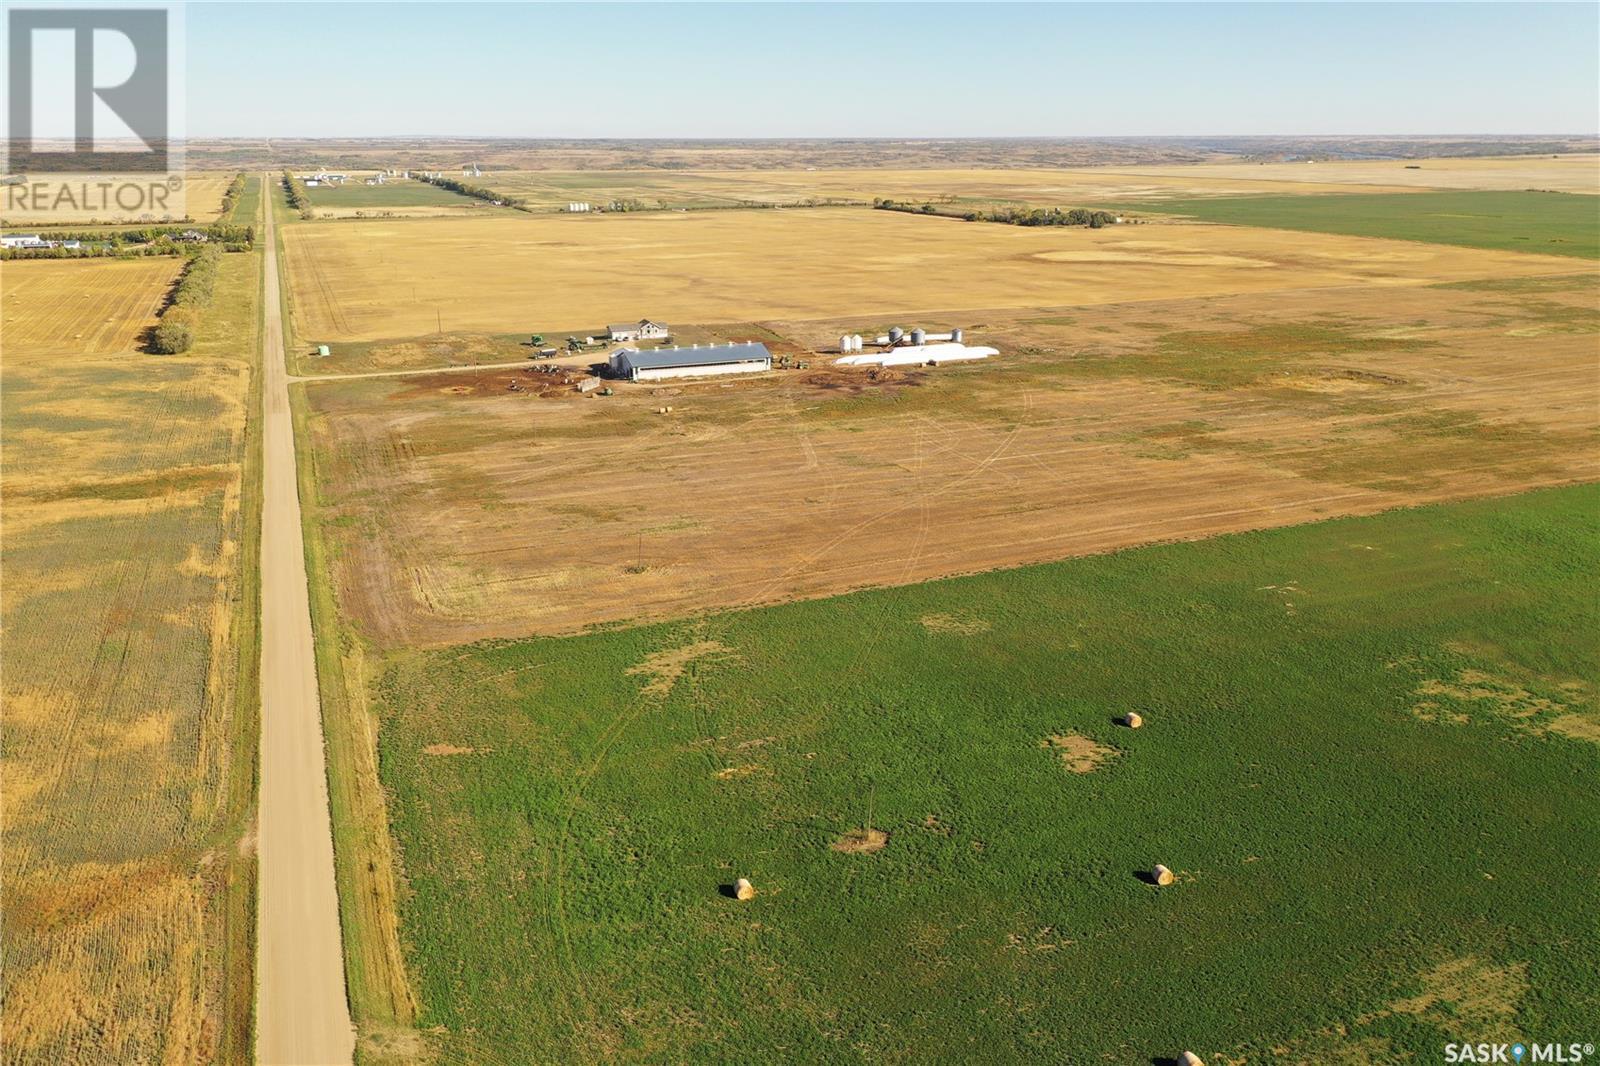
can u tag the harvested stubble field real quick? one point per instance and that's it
(1367, 756)
(728, 188)
(77, 307)
(127, 690)
(202, 200)
(370, 280)
(458, 513)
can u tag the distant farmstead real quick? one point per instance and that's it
(696, 361)
(642, 330)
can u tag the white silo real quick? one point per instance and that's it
(955, 335)
(855, 342)
(844, 343)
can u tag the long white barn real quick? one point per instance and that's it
(695, 361)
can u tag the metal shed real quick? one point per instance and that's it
(695, 361)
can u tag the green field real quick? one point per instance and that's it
(248, 206)
(1369, 755)
(394, 194)
(1549, 222)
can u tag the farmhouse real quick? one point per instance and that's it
(642, 330)
(24, 240)
(745, 358)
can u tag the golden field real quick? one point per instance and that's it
(722, 188)
(371, 280)
(80, 306)
(1565, 173)
(460, 509)
(128, 687)
(201, 200)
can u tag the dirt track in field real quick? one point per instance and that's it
(494, 515)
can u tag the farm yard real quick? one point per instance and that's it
(674, 621)
(1362, 757)
(81, 307)
(368, 280)
(461, 512)
(129, 687)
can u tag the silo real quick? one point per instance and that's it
(919, 336)
(955, 335)
(855, 342)
(844, 343)
(895, 333)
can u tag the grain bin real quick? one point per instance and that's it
(919, 336)
(1161, 875)
(855, 342)
(844, 343)
(895, 333)
(743, 889)
(955, 336)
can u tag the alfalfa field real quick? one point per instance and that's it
(127, 691)
(1366, 754)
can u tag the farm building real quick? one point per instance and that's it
(663, 363)
(642, 330)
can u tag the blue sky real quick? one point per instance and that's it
(888, 70)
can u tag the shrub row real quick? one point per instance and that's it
(1011, 216)
(299, 199)
(190, 296)
(230, 199)
(131, 243)
(477, 192)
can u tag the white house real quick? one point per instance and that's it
(642, 330)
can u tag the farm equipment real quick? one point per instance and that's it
(537, 340)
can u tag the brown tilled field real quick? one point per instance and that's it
(80, 306)
(361, 281)
(465, 512)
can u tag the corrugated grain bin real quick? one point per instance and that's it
(955, 335)
(919, 336)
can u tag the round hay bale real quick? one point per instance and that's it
(1161, 875)
(1189, 1058)
(743, 889)
(1133, 720)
